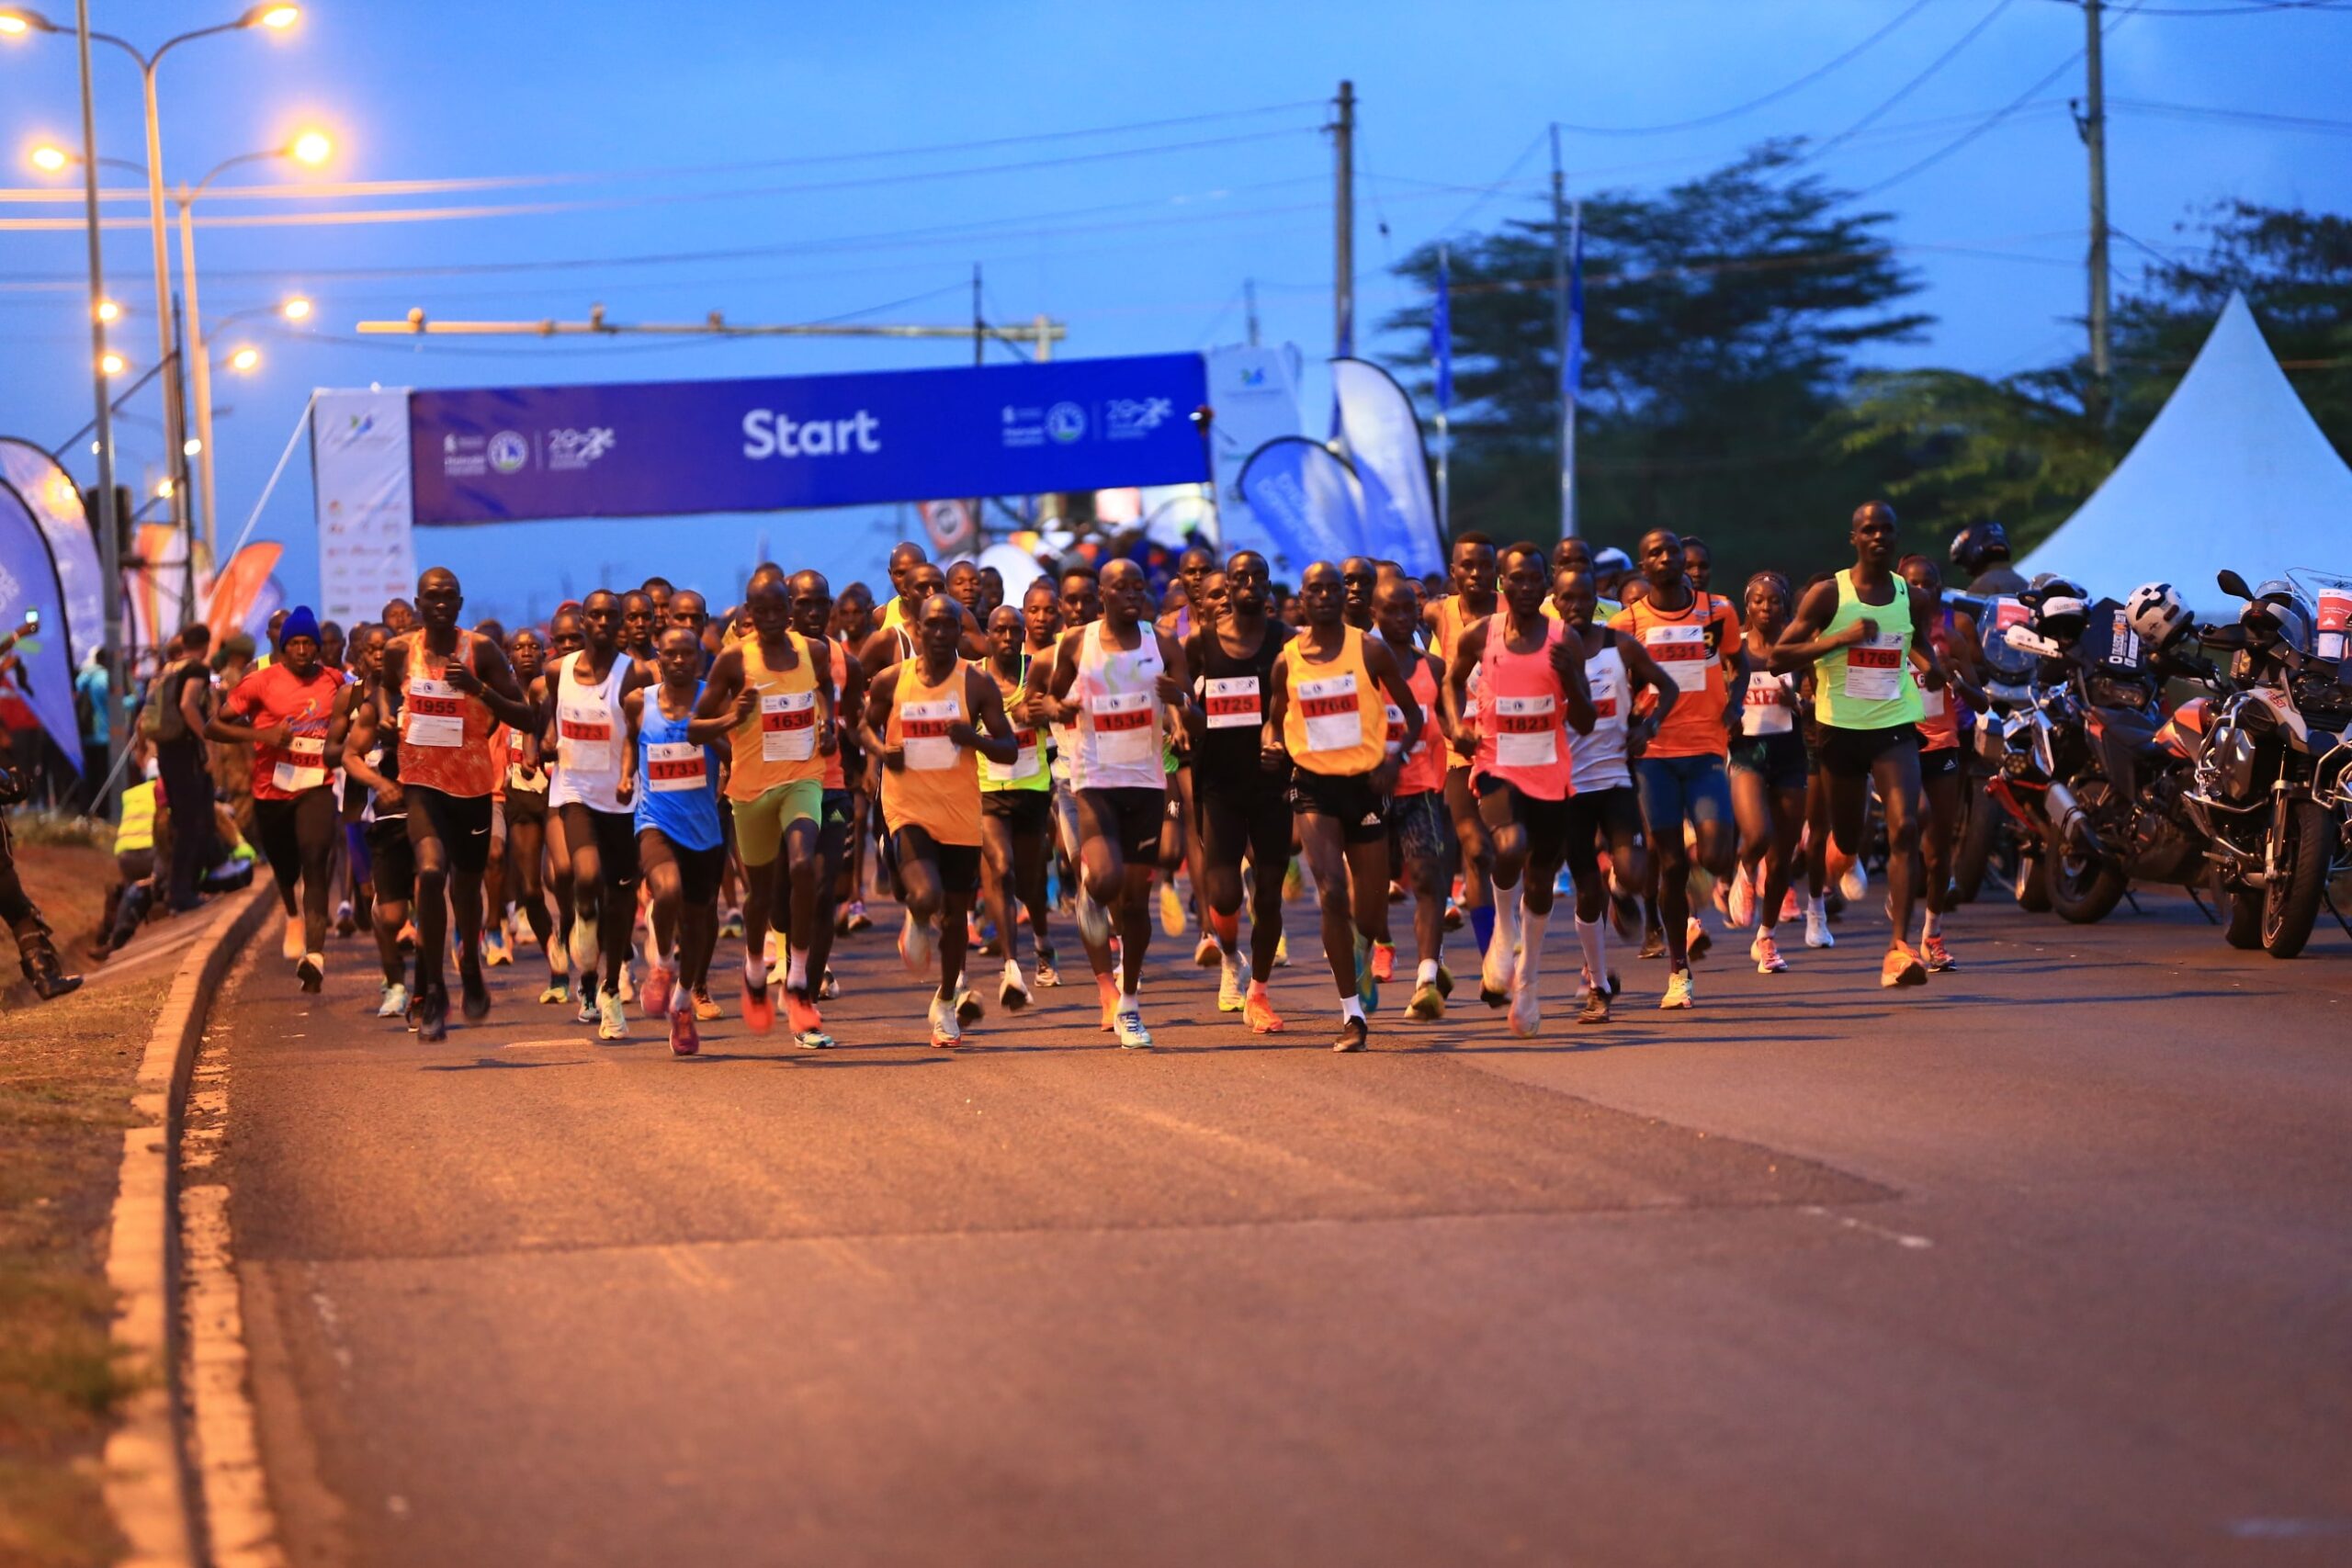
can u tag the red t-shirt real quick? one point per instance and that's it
(276, 695)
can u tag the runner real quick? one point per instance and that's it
(844, 804)
(1113, 682)
(565, 637)
(1242, 796)
(1017, 809)
(1941, 762)
(894, 640)
(526, 815)
(1325, 705)
(928, 720)
(1473, 600)
(283, 711)
(1768, 775)
(448, 689)
(1531, 674)
(639, 616)
(1194, 568)
(853, 622)
(1041, 633)
(594, 780)
(1417, 815)
(1695, 638)
(1078, 603)
(1859, 632)
(678, 839)
(1605, 809)
(777, 695)
(392, 857)
(1359, 577)
(964, 587)
(991, 593)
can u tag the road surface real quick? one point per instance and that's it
(2051, 1262)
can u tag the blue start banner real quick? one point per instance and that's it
(504, 455)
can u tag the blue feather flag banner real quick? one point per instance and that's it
(1442, 333)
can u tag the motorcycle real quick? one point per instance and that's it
(1987, 845)
(2270, 788)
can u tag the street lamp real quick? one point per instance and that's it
(244, 361)
(110, 313)
(112, 364)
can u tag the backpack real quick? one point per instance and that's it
(158, 721)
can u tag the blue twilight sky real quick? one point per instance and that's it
(798, 163)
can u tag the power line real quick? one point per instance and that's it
(2233, 117)
(1905, 91)
(1776, 93)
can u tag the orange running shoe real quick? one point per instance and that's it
(1902, 967)
(1384, 962)
(1258, 1013)
(758, 1008)
(800, 1014)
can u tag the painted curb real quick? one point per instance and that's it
(146, 1483)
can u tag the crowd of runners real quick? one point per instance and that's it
(1555, 722)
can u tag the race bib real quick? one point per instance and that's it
(1025, 762)
(922, 734)
(305, 765)
(1124, 735)
(1233, 702)
(1931, 698)
(435, 714)
(1603, 683)
(787, 726)
(1677, 645)
(1874, 668)
(1527, 731)
(584, 739)
(675, 766)
(1765, 712)
(1334, 722)
(1395, 728)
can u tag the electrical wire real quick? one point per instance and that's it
(1905, 91)
(2230, 117)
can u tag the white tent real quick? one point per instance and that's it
(2232, 472)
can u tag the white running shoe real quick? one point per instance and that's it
(1014, 994)
(612, 1024)
(1766, 951)
(1855, 883)
(1678, 991)
(1128, 1024)
(1229, 986)
(583, 950)
(1816, 929)
(1093, 921)
(629, 982)
(914, 945)
(395, 1002)
(1495, 970)
(1526, 1012)
(946, 1032)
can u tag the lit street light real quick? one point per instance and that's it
(50, 160)
(113, 364)
(109, 311)
(245, 361)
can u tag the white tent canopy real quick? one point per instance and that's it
(2232, 472)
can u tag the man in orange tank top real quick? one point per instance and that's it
(1472, 569)
(1416, 814)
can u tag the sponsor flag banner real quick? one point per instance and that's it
(50, 494)
(28, 587)
(359, 458)
(1253, 392)
(1441, 332)
(237, 588)
(1307, 501)
(663, 448)
(1383, 439)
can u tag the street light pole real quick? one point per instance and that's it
(110, 535)
(174, 403)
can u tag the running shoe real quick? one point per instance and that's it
(1695, 940)
(290, 949)
(1258, 1013)
(1526, 1012)
(582, 950)
(1678, 991)
(587, 989)
(857, 919)
(1584, 981)
(1902, 967)
(684, 1038)
(474, 994)
(914, 945)
(1367, 984)
(433, 1016)
(1854, 882)
(1354, 1035)
(1816, 929)
(344, 924)
(1127, 1023)
(758, 1008)
(1172, 908)
(1766, 951)
(558, 989)
(1741, 907)
(800, 1014)
(1791, 906)
(731, 924)
(1596, 1006)
(494, 950)
(1652, 944)
(968, 1009)
(1281, 951)
(312, 972)
(612, 1021)
(1384, 962)
(946, 1032)
(1444, 982)
(1208, 956)
(705, 1007)
(815, 1040)
(1094, 922)
(828, 989)
(660, 984)
(1049, 978)
(394, 1003)
(1012, 993)
(1495, 976)
(1428, 1004)
(629, 982)
(1231, 974)
(1938, 957)
(1452, 914)
(414, 1017)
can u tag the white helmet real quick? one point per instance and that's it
(2157, 615)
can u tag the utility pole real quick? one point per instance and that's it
(2091, 121)
(109, 526)
(1344, 292)
(1250, 307)
(979, 328)
(1560, 341)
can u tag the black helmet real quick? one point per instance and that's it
(1978, 544)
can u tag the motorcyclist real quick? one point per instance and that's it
(1980, 554)
(37, 955)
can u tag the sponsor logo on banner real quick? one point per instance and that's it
(1130, 419)
(508, 452)
(578, 448)
(1066, 422)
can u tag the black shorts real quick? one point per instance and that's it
(1943, 762)
(1419, 827)
(460, 822)
(698, 869)
(615, 833)
(959, 864)
(527, 806)
(1130, 818)
(1236, 819)
(1346, 798)
(393, 860)
(1597, 817)
(1848, 753)
(833, 819)
(1027, 813)
(1780, 759)
(1546, 821)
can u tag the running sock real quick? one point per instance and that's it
(1592, 938)
(1258, 989)
(755, 972)
(1130, 1001)
(1817, 909)
(1427, 976)
(1531, 952)
(1934, 929)
(795, 970)
(1482, 927)
(1507, 913)
(1351, 1008)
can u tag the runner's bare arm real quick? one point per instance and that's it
(493, 683)
(881, 651)
(1060, 709)
(974, 645)
(998, 744)
(853, 699)
(875, 723)
(238, 732)
(1380, 663)
(632, 705)
(1803, 643)
(1174, 690)
(1567, 664)
(1271, 752)
(356, 747)
(1641, 671)
(1923, 643)
(1468, 649)
(1737, 670)
(721, 688)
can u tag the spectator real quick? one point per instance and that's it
(94, 710)
(181, 705)
(36, 953)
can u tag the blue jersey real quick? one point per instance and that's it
(677, 781)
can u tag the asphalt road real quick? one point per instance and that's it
(2051, 1262)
